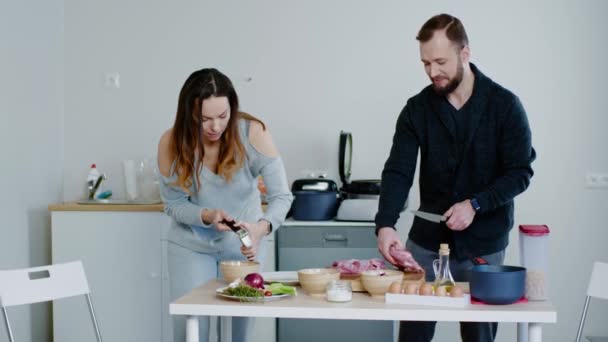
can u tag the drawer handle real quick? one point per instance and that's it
(335, 237)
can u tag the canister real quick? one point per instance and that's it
(533, 252)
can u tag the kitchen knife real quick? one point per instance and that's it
(429, 216)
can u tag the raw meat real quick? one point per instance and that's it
(405, 259)
(355, 266)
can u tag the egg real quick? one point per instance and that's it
(411, 289)
(426, 290)
(441, 291)
(456, 292)
(394, 287)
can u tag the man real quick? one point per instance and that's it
(475, 156)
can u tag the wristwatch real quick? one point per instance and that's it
(475, 204)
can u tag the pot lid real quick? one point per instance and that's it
(345, 157)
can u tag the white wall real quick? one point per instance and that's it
(31, 144)
(318, 67)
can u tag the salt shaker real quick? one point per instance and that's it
(339, 291)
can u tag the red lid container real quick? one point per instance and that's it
(534, 229)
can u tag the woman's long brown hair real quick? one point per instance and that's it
(186, 140)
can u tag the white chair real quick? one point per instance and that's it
(41, 284)
(597, 289)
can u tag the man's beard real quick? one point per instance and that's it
(452, 84)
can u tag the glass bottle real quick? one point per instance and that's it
(441, 266)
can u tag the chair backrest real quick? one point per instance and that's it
(598, 281)
(41, 284)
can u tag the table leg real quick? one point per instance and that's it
(522, 332)
(535, 333)
(192, 329)
(226, 329)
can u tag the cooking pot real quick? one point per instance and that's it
(494, 284)
(315, 199)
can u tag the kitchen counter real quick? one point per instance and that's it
(73, 206)
(203, 301)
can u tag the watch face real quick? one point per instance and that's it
(475, 204)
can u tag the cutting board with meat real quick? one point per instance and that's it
(351, 270)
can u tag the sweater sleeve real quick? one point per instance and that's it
(398, 173)
(278, 195)
(516, 156)
(178, 203)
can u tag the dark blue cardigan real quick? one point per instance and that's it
(494, 167)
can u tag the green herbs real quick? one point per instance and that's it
(246, 293)
(243, 291)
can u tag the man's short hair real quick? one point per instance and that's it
(454, 29)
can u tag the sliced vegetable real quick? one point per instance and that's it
(280, 288)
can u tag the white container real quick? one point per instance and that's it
(534, 256)
(130, 174)
(148, 187)
(339, 291)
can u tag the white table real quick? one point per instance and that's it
(203, 301)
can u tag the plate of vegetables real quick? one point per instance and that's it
(252, 289)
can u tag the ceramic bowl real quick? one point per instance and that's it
(376, 282)
(235, 269)
(314, 280)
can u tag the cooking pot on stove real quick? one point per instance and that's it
(315, 199)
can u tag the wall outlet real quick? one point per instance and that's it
(596, 180)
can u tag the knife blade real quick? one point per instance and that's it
(429, 216)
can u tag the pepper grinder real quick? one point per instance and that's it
(242, 233)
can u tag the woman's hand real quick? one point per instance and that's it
(257, 231)
(216, 217)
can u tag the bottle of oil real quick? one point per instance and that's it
(443, 276)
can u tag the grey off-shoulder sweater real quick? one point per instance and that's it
(240, 197)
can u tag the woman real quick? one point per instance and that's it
(210, 161)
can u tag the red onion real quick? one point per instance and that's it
(254, 280)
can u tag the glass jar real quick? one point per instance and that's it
(339, 291)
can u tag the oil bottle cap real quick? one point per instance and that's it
(444, 248)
